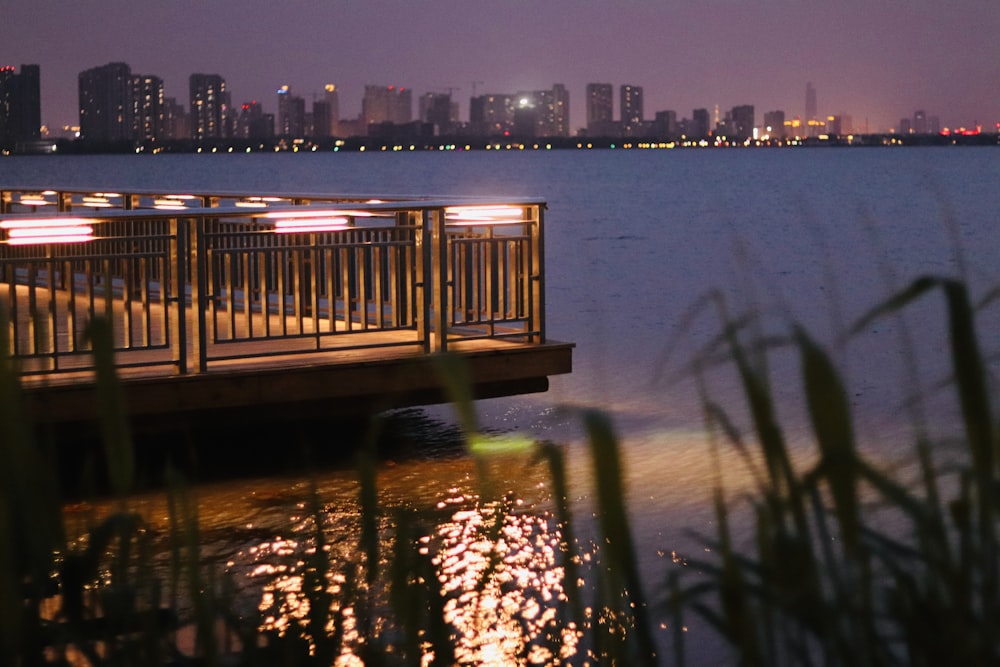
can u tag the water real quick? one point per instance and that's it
(812, 237)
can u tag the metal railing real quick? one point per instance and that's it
(189, 281)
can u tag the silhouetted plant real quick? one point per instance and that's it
(828, 584)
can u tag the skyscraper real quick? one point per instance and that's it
(332, 98)
(435, 108)
(209, 102)
(176, 121)
(491, 115)
(631, 110)
(321, 119)
(20, 104)
(600, 112)
(253, 123)
(386, 104)
(774, 124)
(699, 124)
(291, 114)
(542, 113)
(743, 121)
(106, 103)
(665, 124)
(148, 113)
(812, 118)
(560, 110)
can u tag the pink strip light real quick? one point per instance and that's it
(310, 225)
(308, 221)
(475, 215)
(35, 231)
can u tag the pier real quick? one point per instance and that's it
(305, 304)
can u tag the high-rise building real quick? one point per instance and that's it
(176, 122)
(920, 122)
(209, 103)
(743, 121)
(542, 113)
(492, 115)
(106, 103)
(386, 104)
(631, 109)
(699, 128)
(812, 112)
(435, 108)
(147, 108)
(321, 119)
(332, 97)
(560, 111)
(20, 104)
(665, 124)
(526, 115)
(291, 114)
(600, 112)
(774, 124)
(253, 123)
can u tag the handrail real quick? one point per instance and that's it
(228, 277)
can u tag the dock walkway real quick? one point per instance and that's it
(318, 304)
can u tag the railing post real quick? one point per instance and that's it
(439, 280)
(538, 275)
(422, 280)
(199, 278)
(177, 316)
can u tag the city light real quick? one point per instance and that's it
(522, 118)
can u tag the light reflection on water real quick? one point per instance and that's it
(495, 548)
(487, 529)
(496, 560)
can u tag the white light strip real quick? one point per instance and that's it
(41, 233)
(26, 223)
(47, 230)
(305, 213)
(311, 225)
(483, 213)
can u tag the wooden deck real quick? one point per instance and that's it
(365, 373)
(350, 383)
(218, 310)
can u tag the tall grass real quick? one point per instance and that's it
(823, 583)
(826, 582)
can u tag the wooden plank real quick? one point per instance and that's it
(355, 384)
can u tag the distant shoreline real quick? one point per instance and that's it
(401, 144)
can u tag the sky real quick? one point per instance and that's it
(875, 60)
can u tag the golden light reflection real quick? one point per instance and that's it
(498, 569)
(497, 565)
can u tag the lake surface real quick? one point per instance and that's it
(634, 239)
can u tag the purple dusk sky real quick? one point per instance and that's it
(876, 60)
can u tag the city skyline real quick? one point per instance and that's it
(876, 62)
